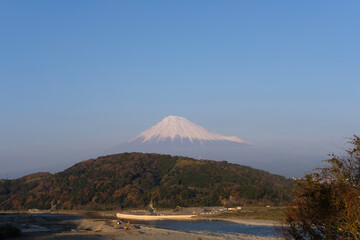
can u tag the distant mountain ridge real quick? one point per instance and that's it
(131, 180)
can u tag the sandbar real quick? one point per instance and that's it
(154, 218)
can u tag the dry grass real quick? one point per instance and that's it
(259, 213)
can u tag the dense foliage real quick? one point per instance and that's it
(134, 179)
(328, 200)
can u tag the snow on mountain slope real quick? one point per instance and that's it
(173, 127)
(179, 137)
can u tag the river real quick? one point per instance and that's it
(215, 227)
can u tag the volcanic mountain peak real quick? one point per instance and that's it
(173, 127)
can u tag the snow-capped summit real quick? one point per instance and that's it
(174, 127)
(178, 136)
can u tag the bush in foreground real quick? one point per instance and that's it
(327, 201)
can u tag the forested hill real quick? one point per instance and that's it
(130, 180)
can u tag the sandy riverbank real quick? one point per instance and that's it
(254, 222)
(154, 218)
(103, 229)
(147, 233)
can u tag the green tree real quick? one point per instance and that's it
(327, 201)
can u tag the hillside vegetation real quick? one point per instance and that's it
(130, 180)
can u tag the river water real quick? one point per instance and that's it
(215, 227)
(59, 216)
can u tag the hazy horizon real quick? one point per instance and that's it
(79, 78)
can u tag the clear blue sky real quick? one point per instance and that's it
(77, 77)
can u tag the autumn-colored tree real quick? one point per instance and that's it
(327, 202)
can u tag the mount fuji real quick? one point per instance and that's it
(173, 128)
(178, 136)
